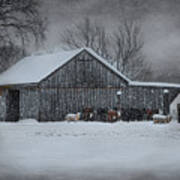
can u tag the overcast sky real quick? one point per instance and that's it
(160, 23)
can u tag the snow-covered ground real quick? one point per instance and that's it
(89, 150)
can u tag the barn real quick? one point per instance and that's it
(47, 87)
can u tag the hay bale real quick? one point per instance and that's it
(161, 119)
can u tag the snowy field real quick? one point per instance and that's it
(89, 150)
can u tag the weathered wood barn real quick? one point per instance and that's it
(47, 87)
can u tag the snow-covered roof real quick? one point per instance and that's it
(154, 84)
(33, 69)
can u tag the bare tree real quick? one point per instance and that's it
(87, 34)
(10, 55)
(20, 23)
(128, 44)
(123, 48)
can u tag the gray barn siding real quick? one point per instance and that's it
(3, 105)
(142, 97)
(75, 74)
(57, 102)
(29, 103)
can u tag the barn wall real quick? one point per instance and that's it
(54, 103)
(149, 97)
(142, 97)
(83, 71)
(57, 102)
(29, 103)
(3, 94)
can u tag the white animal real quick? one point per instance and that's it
(73, 117)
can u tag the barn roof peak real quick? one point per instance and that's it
(104, 61)
(33, 69)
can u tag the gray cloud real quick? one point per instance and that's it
(160, 23)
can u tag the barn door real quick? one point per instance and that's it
(12, 105)
(178, 112)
